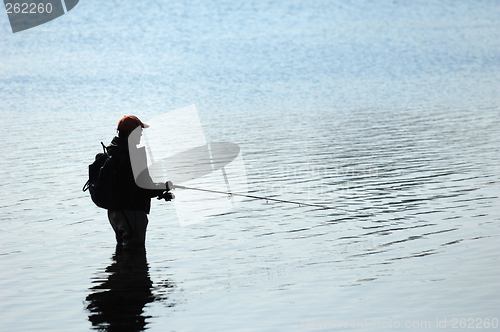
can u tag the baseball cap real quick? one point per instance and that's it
(129, 122)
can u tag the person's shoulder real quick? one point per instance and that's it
(118, 146)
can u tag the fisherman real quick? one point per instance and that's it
(130, 220)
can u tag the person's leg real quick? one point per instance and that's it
(129, 226)
(118, 223)
(138, 221)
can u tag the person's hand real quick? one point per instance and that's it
(169, 185)
(166, 196)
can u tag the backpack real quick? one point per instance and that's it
(103, 181)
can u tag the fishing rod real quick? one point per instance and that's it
(258, 197)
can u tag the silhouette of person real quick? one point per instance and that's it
(129, 219)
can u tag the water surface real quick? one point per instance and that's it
(387, 113)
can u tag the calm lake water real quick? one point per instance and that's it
(388, 112)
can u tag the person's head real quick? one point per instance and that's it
(127, 124)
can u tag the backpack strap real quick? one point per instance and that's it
(86, 186)
(105, 148)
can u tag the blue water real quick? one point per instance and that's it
(388, 112)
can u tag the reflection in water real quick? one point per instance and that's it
(117, 303)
